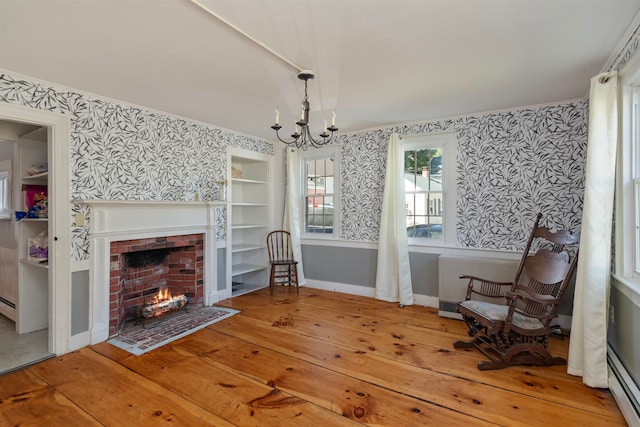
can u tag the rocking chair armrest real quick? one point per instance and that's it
(488, 288)
(480, 279)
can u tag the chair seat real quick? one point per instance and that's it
(283, 262)
(498, 313)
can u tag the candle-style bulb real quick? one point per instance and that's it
(277, 116)
(333, 119)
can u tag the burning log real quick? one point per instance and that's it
(164, 303)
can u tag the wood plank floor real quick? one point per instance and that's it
(314, 359)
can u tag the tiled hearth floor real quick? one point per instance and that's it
(137, 338)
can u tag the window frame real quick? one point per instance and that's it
(331, 151)
(627, 212)
(448, 143)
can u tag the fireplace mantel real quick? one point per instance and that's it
(115, 216)
(115, 220)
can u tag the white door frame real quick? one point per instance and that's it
(59, 303)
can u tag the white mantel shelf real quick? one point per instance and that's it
(104, 202)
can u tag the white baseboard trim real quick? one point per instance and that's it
(80, 340)
(365, 291)
(344, 288)
(426, 300)
(218, 296)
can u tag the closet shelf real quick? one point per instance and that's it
(40, 264)
(43, 175)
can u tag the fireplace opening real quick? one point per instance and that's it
(153, 277)
(143, 258)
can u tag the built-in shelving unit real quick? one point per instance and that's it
(249, 223)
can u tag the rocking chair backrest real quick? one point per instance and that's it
(547, 272)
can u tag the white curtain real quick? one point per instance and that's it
(393, 276)
(291, 221)
(588, 344)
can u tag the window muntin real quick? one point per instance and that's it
(320, 184)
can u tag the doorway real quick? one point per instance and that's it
(52, 335)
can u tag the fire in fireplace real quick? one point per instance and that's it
(142, 270)
(163, 302)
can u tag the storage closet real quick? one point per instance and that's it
(31, 197)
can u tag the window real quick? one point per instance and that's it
(627, 234)
(5, 189)
(320, 197)
(429, 185)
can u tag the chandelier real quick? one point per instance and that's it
(302, 136)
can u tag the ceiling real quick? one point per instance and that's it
(377, 62)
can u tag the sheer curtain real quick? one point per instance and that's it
(291, 221)
(588, 345)
(393, 275)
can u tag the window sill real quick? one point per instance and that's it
(629, 287)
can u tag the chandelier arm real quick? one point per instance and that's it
(315, 143)
(293, 141)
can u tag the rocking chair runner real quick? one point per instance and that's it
(517, 333)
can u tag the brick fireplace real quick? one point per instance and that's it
(180, 238)
(140, 268)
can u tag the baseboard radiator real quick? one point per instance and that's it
(624, 389)
(8, 282)
(452, 289)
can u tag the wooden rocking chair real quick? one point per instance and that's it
(517, 332)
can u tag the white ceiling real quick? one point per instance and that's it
(377, 62)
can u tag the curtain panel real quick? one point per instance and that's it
(393, 275)
(588, 345)
(292, 217)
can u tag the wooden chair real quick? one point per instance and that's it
(284, 268)
(516, 330)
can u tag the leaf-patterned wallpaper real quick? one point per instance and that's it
(510, 165)
(121, 152)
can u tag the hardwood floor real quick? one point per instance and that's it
(318, 359)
